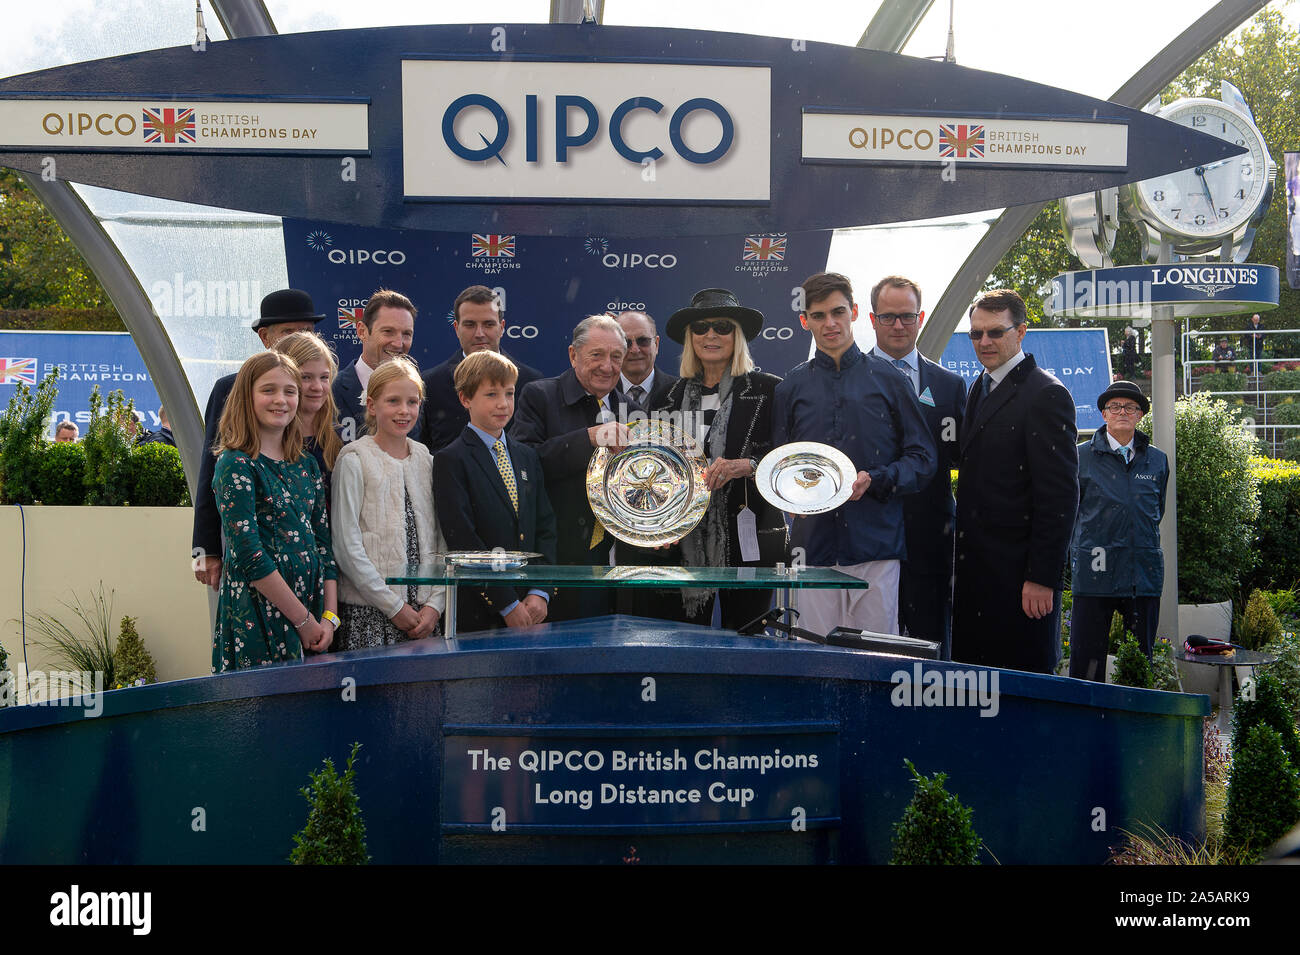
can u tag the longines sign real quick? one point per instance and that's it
(578, 130)
(1192, 288)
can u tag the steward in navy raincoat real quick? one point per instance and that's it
(1116, 558)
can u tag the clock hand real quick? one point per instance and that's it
(1215, 165)
(1206, 186)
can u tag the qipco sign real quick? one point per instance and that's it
(546, 130)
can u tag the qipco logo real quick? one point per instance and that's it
(521, 331)
(638, 260)
(362, 256)
(782, 334)
(563, 136)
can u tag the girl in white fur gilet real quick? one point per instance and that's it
(383, 517)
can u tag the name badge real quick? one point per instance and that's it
(747, 528)
(925, 397)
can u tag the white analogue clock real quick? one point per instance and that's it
(1199, 207)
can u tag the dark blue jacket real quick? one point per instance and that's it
(1120, 507)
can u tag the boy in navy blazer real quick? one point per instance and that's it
(489, 492)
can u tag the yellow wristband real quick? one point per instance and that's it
(332, 618)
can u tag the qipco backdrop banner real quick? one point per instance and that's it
(1293, 219)
(548, 284)
(84, 360)
(1080, 357)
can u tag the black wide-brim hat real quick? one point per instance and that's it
(287, 305)
(1124, 389)
(714, 303)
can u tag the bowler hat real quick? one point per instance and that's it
(714, 303)
(1124, 389)
(287, 305)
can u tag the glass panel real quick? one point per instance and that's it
(738, 578)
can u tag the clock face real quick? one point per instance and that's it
(1208, 201)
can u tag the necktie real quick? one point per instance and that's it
(988, 385)
(598, 529)
(1127, 452)
(906, 369)
(637, 394)
(507, 473)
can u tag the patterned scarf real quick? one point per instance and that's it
(708, 544)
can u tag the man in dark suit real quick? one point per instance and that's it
(647, 388)
(282, 313)
(929, 516)
(565, 419)
(479, 323)
(387, 330)
(640, 380)
(489, 492)
(1017, 491)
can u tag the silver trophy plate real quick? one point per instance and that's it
(652, 492)
(805, 477)
(490, 559)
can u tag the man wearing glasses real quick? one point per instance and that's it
(1017, 491)
(641, 381)
(860, 405)
(1117, 561)
(929, 516)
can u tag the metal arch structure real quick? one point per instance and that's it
(893, 24)
(1160, 71)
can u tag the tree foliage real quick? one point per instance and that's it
(39, 265)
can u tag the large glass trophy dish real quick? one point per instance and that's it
(805, 477)
(651, 492)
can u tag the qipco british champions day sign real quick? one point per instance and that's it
(575, 130)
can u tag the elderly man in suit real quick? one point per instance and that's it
(1017, 492)
(386, 330)
(929, 516)
(645, 384)
(282, 313)
(565, 419)
(479, 323)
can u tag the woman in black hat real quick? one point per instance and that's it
(729, 407)
(1116, 561)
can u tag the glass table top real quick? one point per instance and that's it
(552, 575)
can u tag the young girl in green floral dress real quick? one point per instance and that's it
(278, 579)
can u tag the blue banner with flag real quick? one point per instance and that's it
(84, 360)
(1080, 357)
(548, 284)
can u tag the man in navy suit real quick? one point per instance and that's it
(640, 380)
(1017, 492)
(489, 492)
(282, 313)
(479, 323)
(387, 330)
(929, 516)
(566, 419)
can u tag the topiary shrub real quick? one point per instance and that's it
(134, 664)
(22, 438)
(1115, 638)
(1263, 701)
(1278, 526)
(1258, 625)
(935, 828)
(156, 477)
(108, 447)
(1286, 671)
(1132, 668)
(1164, 670)
(61, 474)
(1263, 795)
(1217, 500)
(335, 833)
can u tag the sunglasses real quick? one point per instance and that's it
(721, 328)
(993, 333)
(641, 341)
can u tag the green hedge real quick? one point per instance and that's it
(1282, 381)
(1222, 381)
(59, 319)
(1287, 414)
(61, 474)
(1291, 449)
(1277, 530)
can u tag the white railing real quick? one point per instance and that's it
(1261, 403)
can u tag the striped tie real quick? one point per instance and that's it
(507, 473)
(906, 369)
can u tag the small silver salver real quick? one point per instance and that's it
(490, 559)
(652, 492)
(805, 477)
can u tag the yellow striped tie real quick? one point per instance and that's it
(507, 473)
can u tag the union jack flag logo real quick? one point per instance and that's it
(764, 249)
(168, 125)
(961, 141)
(350, 318)
(14, 370)
(494, 246)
